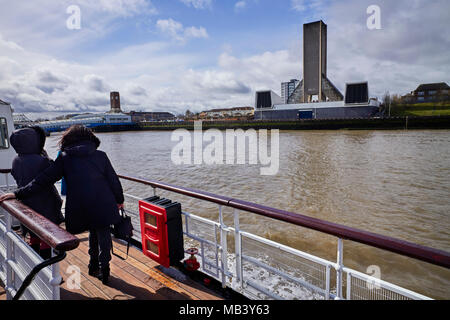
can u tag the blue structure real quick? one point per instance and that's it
(90, 121)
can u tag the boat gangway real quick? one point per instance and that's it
(227, 254)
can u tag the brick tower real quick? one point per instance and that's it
(115, 103)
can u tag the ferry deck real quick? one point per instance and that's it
(227, 256)
(232, 263)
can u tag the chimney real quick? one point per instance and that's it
(115, 102)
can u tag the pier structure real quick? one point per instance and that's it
(114, 119)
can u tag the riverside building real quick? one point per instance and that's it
(315, 96)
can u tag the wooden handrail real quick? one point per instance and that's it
(53, 235)
(405, 248)
(5, 171)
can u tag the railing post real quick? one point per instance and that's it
(327, 283)
(55, 281)
(9, 285)
(238, 248)
(223, 243)
(339, 268)
(154, 191)
(348, 296)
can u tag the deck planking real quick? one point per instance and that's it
(2, 292)
(136, 278)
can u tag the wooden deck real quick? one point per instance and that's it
(2, 292)
(138, 278)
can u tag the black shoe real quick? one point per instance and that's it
(104, 275)
(94, 270)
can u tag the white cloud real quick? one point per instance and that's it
(149, 77)
(126, 7)
(41, 25)
(410, 49)
(171, 27)
(299, 5)
(240, 5)
(177, 32)
(303, 5)
(194, 32)
(312, 10)
(198, 4)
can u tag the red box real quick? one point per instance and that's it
(154, 232)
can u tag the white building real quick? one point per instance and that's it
(287, 88)
(228, 113)
(88, 120)
(357, 104)
(7, 153)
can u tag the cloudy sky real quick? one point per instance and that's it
(174, 55)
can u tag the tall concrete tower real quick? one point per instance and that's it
(315, 85)
(314, 59)
(115, 103)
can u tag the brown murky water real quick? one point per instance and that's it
(395, 183)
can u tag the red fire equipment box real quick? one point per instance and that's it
(162, 230)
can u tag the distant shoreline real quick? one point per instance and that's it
(393, 123)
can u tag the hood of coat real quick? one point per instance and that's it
(26, 141)
(81, 149)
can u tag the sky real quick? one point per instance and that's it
(175, 55)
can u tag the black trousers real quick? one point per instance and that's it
(100, 247)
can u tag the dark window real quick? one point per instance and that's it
(4, 142)
(357, 93)
(264, 100)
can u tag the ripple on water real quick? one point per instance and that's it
(391, 182)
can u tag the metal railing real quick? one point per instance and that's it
(23, 272)
(306, 276)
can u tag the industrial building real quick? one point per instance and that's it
(315, 96)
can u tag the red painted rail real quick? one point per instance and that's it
(405, 248)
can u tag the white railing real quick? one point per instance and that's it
(252, 265)
(263, 269)
(17, 260)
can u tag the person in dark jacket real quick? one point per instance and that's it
(27, 165)
(94, 193)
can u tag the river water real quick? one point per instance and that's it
(395, 183)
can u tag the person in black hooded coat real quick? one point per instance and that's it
(27, 165)
(94, 193)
